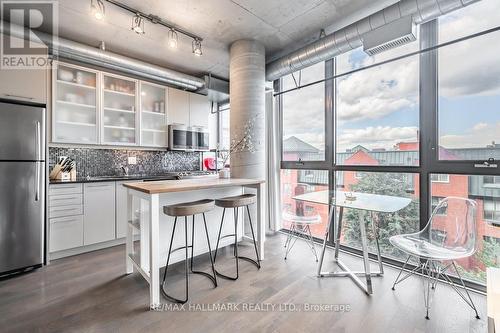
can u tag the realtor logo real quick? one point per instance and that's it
(29, 28)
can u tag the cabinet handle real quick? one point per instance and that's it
(64, 220)
(95, 186)
(65, 209)
(65, 186)
(59, 199)
(19, 96)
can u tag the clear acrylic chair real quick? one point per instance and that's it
(300, 223)
(300, 227)
(449, 235)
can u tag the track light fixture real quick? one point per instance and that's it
(197, 47)
(97, 9)
(138, 24)
(173, 40)
(138, 21)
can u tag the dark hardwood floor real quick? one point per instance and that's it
(90, 293)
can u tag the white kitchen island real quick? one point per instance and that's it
(153, 228)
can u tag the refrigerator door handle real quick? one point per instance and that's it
(38, 142)
(37, 180)
(38, 157)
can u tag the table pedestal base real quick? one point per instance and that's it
(345, 270)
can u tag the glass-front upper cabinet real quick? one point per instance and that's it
(75, 113)
(153, 115)
(119, 115)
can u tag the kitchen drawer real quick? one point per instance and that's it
(66, 233)
(65, 200)
(57, 189)
(60, 211)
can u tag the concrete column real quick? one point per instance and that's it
(247, 99)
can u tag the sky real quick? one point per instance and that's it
(378, 107)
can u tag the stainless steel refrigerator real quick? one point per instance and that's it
(22, 186)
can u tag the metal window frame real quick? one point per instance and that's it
(429, 162)
(328, 100)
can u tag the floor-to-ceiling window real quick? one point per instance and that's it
(468, 95)
(424, 127)
(304, 132)
(303, 116)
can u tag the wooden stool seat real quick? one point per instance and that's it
(189, 208)
(236, 201)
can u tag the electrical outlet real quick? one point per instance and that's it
(132, 160)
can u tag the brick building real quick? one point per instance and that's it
(485, 190)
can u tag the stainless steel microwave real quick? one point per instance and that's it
(182, 137)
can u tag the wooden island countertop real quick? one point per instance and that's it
(168, 186)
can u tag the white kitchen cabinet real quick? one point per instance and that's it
(187, 108)
(65, 216)
(99, 212)
(121, 209)
(62, 189)
(119, 106)
(153, 115)
(66, 233)
(29, 85)
(199, 110)
(178, 107)
(75, 105)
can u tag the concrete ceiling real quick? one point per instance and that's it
(281, 25)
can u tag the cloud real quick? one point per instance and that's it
(470, 68)
(479, 135)
(380, 91)
(376, 137)
(304, 109)
(479, 126)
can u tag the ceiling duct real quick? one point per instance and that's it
(217, 90)
(389, 36)
(352, 36)
(67, 49)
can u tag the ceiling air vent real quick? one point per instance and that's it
(389, 36)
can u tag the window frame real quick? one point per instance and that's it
(320, 164)
(429, 162)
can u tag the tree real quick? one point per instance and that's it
(489, 256)
(404, 221)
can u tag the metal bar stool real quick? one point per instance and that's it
(185, 210)
(236, 202)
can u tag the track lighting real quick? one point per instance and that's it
(138, 24)
(197, 47)
(172, 39)
(97, 9)
(138, 21)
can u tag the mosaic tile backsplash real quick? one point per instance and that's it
(107, 162)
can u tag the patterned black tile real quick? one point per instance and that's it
(107, 162)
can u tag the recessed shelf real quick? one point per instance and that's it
(120, 127)
(153, 130)
(118, 110)
(75, 123)
(154, 113)
(76, 84)
(119, 92)
(88, 106)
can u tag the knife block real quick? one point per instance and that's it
(57, 174)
